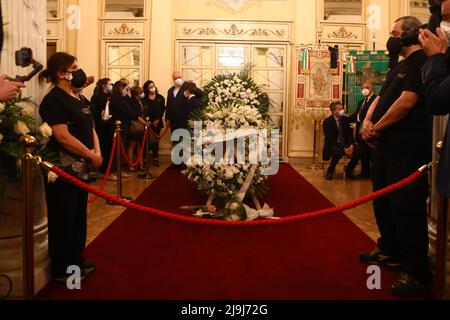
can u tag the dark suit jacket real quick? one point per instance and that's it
(363, 108)
(330, 130)
(437, 94)
(120, 109)
(176, 108)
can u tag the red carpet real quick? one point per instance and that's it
(143, 257)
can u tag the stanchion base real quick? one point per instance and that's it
(147, 177)
(111, 203)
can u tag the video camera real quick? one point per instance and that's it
(433, 23)
(24, 58)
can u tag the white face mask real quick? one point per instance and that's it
(109, 88)
(365, 92)
(179, 82)
(69, 77)
(152, 90)
(341, 113)
(142, 95)
(445, 26)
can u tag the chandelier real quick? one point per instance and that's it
(236, 5)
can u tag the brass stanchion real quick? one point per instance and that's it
(119, 163)
(314, 165)
(28, 143)
(147, 175)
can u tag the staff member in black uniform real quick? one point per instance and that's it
(75, 139)
(155, 107)
(397, 125)
(437, 87)
(362, 150)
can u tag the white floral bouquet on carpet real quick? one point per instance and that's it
(234, 104)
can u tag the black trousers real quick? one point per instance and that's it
(337, 152)
(154, 145)
(402, 215)
(364, 153)
(67, 224)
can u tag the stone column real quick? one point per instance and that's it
(440, 124)
(25, 27)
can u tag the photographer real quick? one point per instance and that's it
(437, 86)
(397, 126)
(8, 88)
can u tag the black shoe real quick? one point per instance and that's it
(88, 267)
(378, 258)
(156, 162)
(65, 277)
(408, 286)
(329, 176)
(364, 176)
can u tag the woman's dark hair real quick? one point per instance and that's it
(136, 92)
(118, 87)
(145, 87)
(58, 62)
(99, 86)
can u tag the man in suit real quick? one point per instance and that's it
(437, 87)
(362, 151)
(176, 106)
(338, 137)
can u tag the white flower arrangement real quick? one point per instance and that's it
(234, 102)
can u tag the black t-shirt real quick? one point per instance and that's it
(59, 107)
(411, 132)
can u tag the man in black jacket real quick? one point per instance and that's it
(362, 151)
(437, 87)
(338, 137)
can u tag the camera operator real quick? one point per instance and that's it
(8, 88)
(437, 86)
(397, 126)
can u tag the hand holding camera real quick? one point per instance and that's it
(9, 88)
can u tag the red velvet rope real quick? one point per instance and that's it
(141, 152)
(159, 137)
(108, 169)
(211, 222)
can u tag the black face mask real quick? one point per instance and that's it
(394, 46)
(79, 78)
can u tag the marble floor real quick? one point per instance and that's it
(338, 191)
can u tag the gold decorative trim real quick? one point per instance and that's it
(342, 33)
(234, 30)
(123, 30)
(421, 4)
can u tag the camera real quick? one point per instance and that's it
(24, 58)
(433, 23)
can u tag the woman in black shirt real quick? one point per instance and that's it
(99, 99)
(137, 108)
(155, 107)
(75, 139)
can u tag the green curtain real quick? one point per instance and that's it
(371, 66)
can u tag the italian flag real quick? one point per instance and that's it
(351, 64)
(306, 60)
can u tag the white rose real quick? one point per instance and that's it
(243, 95)
(2, 107)
(45, 130)
(21, 128)
(1, 137)
(28, 109)
(51, 176)
(233, 89)
(218, 99)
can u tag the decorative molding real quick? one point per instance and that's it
(419, 4)
(342, 33)
(123, 30)
(225, 30)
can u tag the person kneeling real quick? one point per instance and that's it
(338, 138)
